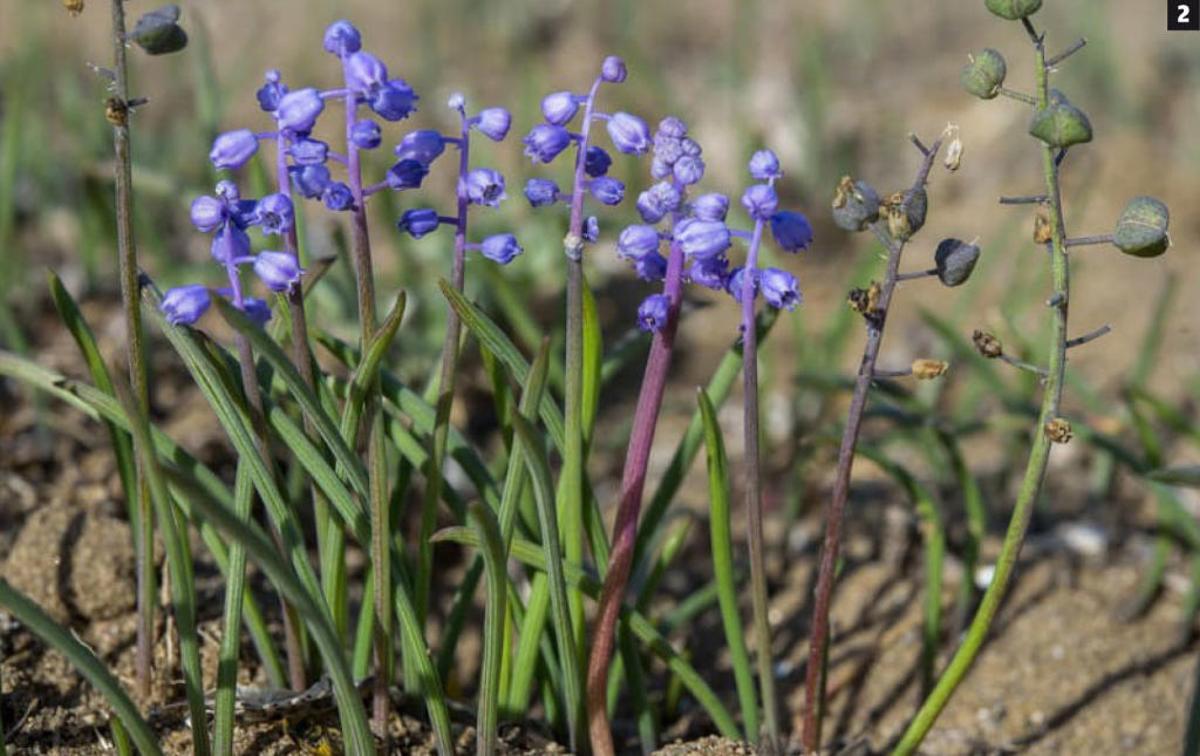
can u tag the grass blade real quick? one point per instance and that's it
(483, 520)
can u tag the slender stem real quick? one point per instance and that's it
(1018, 96)
(1031, 199)
(1039, 454)
(1089, 336)
(1022, 365)
(1083, 241)
(916, 274)
(814, 684)
(1075, 47)
(633, 483)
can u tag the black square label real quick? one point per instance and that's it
(1183, 15)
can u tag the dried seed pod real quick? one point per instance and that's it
(987, 345)
(116, 111)
(955, 259)
(954, 152)
(1142, 228)
(158, 32)
(1043, 231)
(1058, 430)
(927, 370)
(1061, 124)
(74, 7)
(984, 74)
(905, 213)
(855, 204)
(1013, 10)
(865, 301)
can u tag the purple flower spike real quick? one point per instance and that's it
(541, 192)
(701, 239)
(608, 191)
(406, 174)
(494, 123)
(275, 213)
(629, 133)
(366, 134)
(419, 221)
(791, 230)
(501, 248)
(637, 241)
(780, 289)
(394, 101)
(278, 270)
(613, 70)
(688, 170)
(760, 201)
(653, 312)
(184, 305)
(559, 108)
(233, 149)
(596, 161)
(309, 151)
(338, 197)
(208, 213)
(544, 142)
(365, 73)
(711, 207)
(711, 272)
(652, 267)
(342, 38)
(484, 186)
(764, 165)
(591, 229)
(310, 180)
(229, 244)
(660, 199)
(256, 310)
(271, 92)
(423, 145)
(298, 111)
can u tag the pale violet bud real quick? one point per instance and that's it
(700, 238)
(651, 267)
(541, 192)
(653, 313)
(366, 134)
(337, 196)
(406, 174)
(710, 272)
(501, 248)
(660, 169)
(365, 72)
(184, 305)
(233, 149)
(711, 207)
(672, 127)
(423, 146)
(393, 101)
(208, 213)
(629, 133)
(544, 142)
(298, 111)
(591, 229)
(760, 201)
(275, 213)
(690, 147)
(342, 38)
(558, 108)
(764, 165)
(309, 180)
(309, 151)
(457, 101)
(483, 186)
(637, 241)
(494, 123)
(608, 191)
(660, 199)
(613, 70)
(688, 170)
(277, 270)
(780, 289)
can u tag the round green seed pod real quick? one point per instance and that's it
(955, 259)
(984, 75)
(1013, 10)
(1061, 124)
(1142, 228)
(158, 32)
(855, 204)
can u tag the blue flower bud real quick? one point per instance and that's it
(229, 244)
(596, 161)
(660, 169)
(279, 271)
(494, 123)
(688, 170)
(364, 72)
(660, 199)
(736, 283)
(501, 248)
(341, 38)
(607, 190)
(544, 142)
(366, 134)
(791, 230)
(629, 133)
(419, 221)
(309, 151)
(406, 174)
(651, 267)
(184, 305)
(700, 238)
(394, 101)
(233, 148)
(483, 186)
(672, 127)
(271, 92)
(760, 201)
(690, 147)
(764, 165)
(637, 241)
(591, 229)
(667, 149)
(711, 272)
(558, 108)
(309, 180)
(711, 207)
(780, 289)
(541, 192)
(275, 213)
(423, 145)
(653, 313)
(208, 213)
(613, 70)
(258, 311)
(338, 197)
(298, 111)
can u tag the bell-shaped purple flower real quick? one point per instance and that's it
(780, 289)
(494, 123)
(342, 38)
(764, 165)
(591, 229)
(660, 199)
(279, 271)
(613, 70)
(275, 213)
(208, 213)
(700, 238)
(711, 207)
(629, 133)
(483, 186)
(256, 310)
(337, 196)
(544, 142)
(233, 149)
(653, 313)
(230, 244)
(309, 180)
(393, 101)
(791, 230)
(501, 248)
(760, 201)
(688, 170)
(637, 241)
(736, 283)
(558, 108)
(651, 267)
(541, 192)
(710, 272)
(406, 174)
(366, 134)
(365, 73)
(184, 305)
(608, 191)
(596, 161)
(298, 111)
(419, 221)
(422, 145)
(309, 151)
(271, 92)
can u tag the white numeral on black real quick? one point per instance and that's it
(1184, 13)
